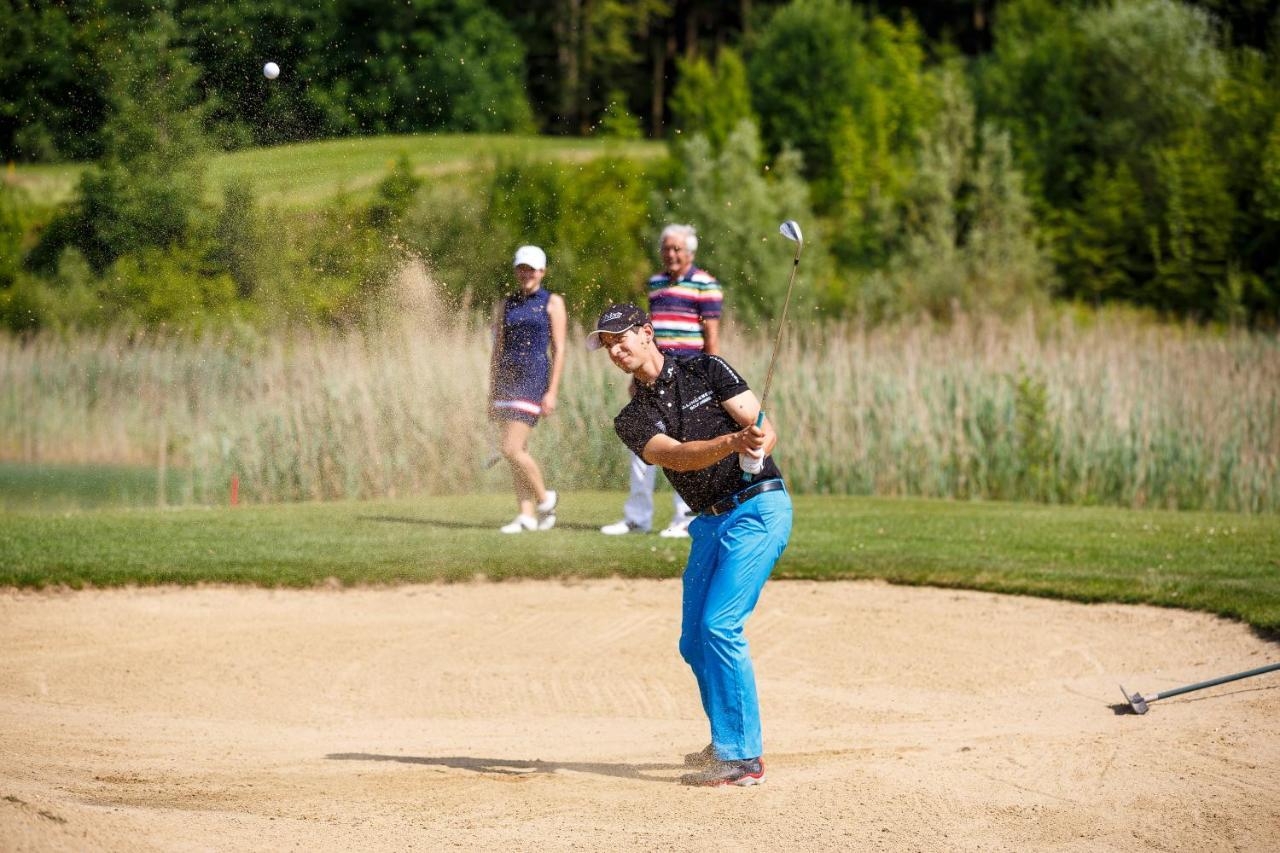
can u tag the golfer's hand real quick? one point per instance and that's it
(750, 446)
(750, 440)
(548, 404)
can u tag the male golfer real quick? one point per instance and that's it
(693, 416)
(684, 306)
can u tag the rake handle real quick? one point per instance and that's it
(1214, 681)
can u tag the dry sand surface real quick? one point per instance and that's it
(549, 716)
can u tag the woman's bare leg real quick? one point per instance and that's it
(524, 470)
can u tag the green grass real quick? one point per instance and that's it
(48, 487)
(307, 173)
(1220, 563)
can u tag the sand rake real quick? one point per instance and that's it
(1139, 703)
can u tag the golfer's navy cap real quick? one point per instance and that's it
(615, 319)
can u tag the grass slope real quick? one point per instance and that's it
(307, 173)
(1220, 563)
(65, 487)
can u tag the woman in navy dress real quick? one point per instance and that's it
(524, 381)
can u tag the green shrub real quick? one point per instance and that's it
(53, 78)
(21, 308)
(1031, 430)
(146, 191)
(394, 194)
(1143, 139)
(238, 239)
(337, 269)
(618, 122)
(736, 201)
(1097, 249)
(801, 43)
(963, 237)
(711, 99)
(591, 218)
(175, 287)
(852, 95)
(11, 234)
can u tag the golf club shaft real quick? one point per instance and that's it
(1214, 681)
(777, 340)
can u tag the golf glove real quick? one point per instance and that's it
(750, 463)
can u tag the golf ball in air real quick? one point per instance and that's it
(271, 71)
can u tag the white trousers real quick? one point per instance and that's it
(638, 510)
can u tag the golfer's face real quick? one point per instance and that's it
(625, 348)
(528, 278)
(675, 257)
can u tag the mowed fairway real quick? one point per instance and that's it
(307, 173)
(1222, 563)
(552, 713)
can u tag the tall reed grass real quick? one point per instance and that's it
(1069, 408)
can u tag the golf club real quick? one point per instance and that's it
(791, 230)
(495, 454)
(1139, 704)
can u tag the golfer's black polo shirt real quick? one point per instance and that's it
(684, 403)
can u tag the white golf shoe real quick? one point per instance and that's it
(520, 524)
(547, 510)
(621, 528)
(676, 530)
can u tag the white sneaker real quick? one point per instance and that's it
(520, 524)
(675, 530)
(547, 510)
(620, 528)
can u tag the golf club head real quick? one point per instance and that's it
(1136, 702)
(791, 230)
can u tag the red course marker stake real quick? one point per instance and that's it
(235, 489)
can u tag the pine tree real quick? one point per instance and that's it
(147, 189)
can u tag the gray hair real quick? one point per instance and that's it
(686, 232)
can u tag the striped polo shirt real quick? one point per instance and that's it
(677, 309)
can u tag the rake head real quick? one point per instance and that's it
(1136, 702)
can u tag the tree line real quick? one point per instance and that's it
(976, 154)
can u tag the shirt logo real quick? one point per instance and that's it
(697, 401)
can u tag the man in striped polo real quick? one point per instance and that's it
(684, 307)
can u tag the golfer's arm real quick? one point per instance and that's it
(559, 323)
(743, 409)
(688, 455)
(694, 455)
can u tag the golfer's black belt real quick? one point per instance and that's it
(732, 502)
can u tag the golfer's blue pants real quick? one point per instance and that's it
(731, 557)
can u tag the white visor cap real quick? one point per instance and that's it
(530, 256)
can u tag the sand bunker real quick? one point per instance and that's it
(539, 715)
